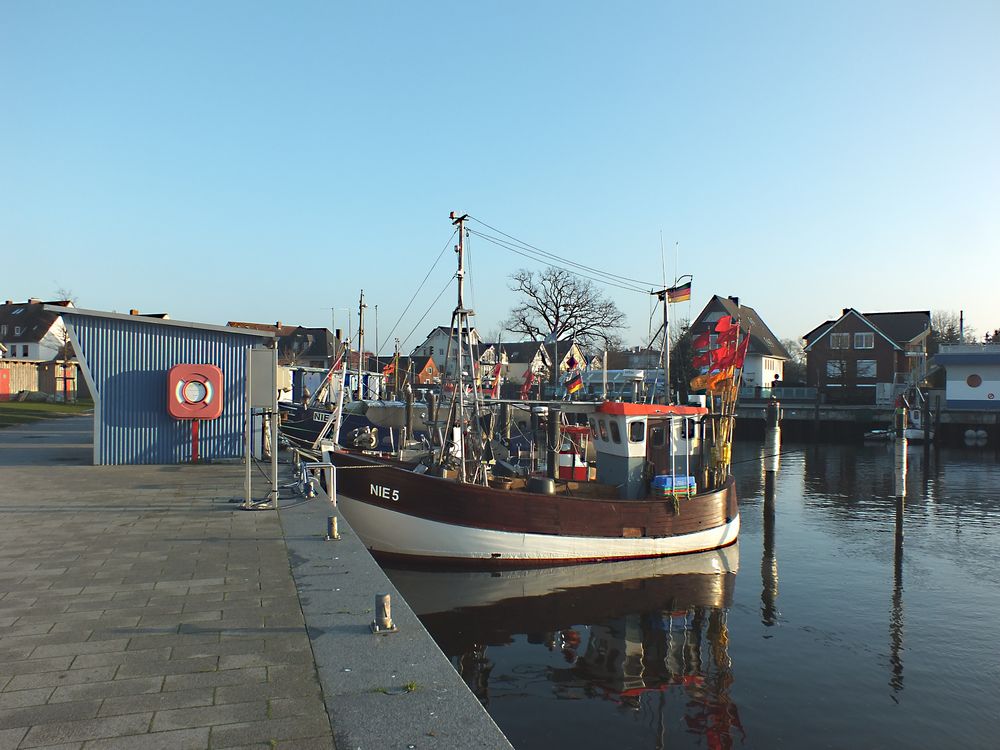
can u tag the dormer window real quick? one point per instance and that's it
(18, 311)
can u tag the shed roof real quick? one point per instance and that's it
(161, 321)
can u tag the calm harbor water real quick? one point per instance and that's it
(818, 630)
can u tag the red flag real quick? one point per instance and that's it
(702, 342)
(729, 336)
(702, 360)
(496, 380)
(725, 323)
(723, 357)
(526, 388)
(741, 352)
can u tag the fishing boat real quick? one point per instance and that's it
(659, 485)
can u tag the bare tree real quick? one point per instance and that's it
(66, 351)
(947, 328)
(557, 302)
(795, 368)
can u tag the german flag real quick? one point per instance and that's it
(680, 293)
(575, 383)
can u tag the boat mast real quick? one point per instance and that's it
(663, 296)
(467, 438)
(361, 344)
(458, 318)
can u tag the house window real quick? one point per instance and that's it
(17, 330)
(840, 341)
(867, 368)
(864, 340)
(713, 340)
(3, 330)
(616, 433)
(24, 350)
(636, 431)
(836, 369)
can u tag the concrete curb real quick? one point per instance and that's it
(364, 675)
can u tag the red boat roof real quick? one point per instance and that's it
(649, 410)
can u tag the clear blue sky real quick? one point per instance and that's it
(264, 161)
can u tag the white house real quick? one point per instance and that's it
(30, 333)
(437, 345)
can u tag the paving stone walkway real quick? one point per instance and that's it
(140, 609)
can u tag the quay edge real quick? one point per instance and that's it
(364, 675)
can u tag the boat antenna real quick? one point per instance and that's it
(361, 344)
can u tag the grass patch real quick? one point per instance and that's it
(13, 412)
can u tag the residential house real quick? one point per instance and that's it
(972, 376)
(517, 359)
(441, 344)
(766, 355)
(30, 333)
(308, 347)
(416, 371)
(569, 354)
(36, 350)
(635, 358)
(867, 358)
(298, 345)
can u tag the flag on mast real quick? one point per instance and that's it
(679, 293)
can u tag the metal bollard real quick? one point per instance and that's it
(331, 528)
(383, 615)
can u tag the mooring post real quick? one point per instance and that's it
(925, 422)
(383, 615)
(553, 440)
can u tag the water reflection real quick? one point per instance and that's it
(882, 633)
(645, 637)
(771, 462)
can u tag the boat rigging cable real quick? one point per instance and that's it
(410, 303)
(532, 252)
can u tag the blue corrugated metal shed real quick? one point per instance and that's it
(125, 359)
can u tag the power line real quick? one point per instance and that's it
(527, 254)
(526, 246)
(427, 276)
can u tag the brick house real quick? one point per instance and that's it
(866, 358)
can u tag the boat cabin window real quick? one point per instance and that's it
(636, 431)
(593, 428)
(658, 436)
(616, 433)
(604, 429)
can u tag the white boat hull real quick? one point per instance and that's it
(388, 532)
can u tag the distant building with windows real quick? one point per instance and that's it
(30, 333)
(867, 358)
